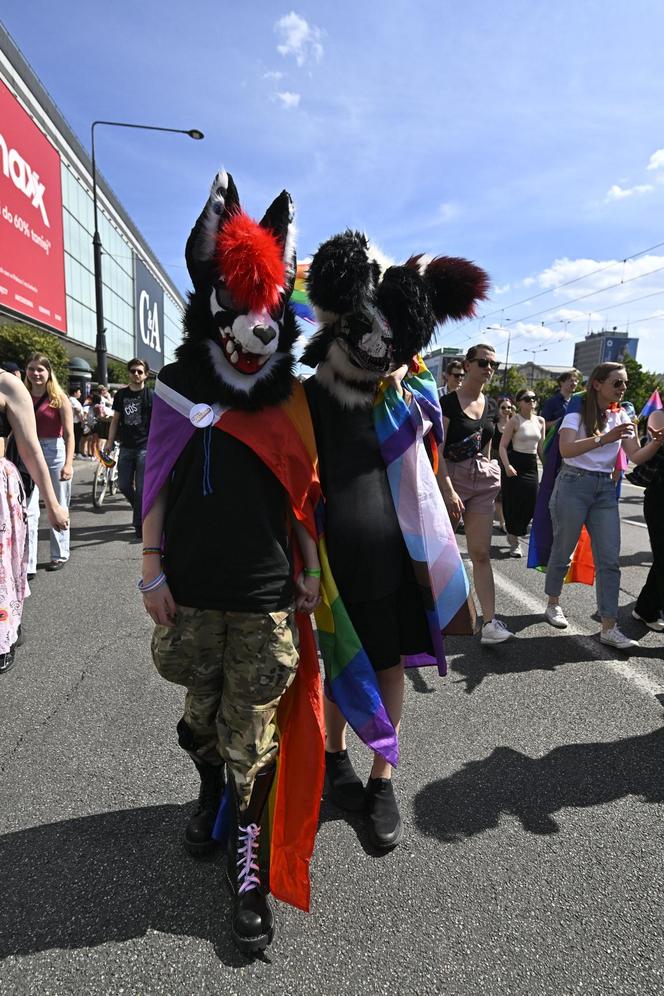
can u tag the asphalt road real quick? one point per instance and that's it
(531, 785)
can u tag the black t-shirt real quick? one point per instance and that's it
(461, 425)
(227, 549)
(135, 408)
(366, 548)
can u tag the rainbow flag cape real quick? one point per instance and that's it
(299, 299)
(276, 436)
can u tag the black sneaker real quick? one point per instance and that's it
(383, 819)
(345, 789)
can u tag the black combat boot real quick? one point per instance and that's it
(198, 839)
(252, 919)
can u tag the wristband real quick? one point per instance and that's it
(145, 586)
(151, 549)
(312, 572)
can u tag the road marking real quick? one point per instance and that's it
(633, 522)
(640, 680)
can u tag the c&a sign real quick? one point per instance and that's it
(149, 316)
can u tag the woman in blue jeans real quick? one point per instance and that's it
(584, 494)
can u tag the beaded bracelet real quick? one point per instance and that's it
(151, 549)
(157, 582)
(312, 572)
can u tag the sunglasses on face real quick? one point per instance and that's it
(619, 383)
(456, 373)
(483, 364)
(530, 397)
(506, 408)
(137, 370)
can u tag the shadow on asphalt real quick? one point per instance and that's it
(640, 559)
(509, 783)
(533, 653)
(110, 877)
(329, 813)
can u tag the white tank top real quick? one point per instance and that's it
(526, 435)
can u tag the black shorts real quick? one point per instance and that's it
(392, 627)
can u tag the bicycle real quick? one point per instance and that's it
(105, 480)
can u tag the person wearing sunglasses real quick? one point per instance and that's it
(504, 414)
(132, 408)
(585, 494)
(469, 480)
(520, 446)
(454, 374)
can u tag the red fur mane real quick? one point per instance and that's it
(251, 263)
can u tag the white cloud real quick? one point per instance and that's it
(299, 39)
(273, 75)
(527, 281)
(535, 330)
(502, 289)
(656, 160)
(618, 193)
(287, 99)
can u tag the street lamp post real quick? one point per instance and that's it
(100, 343)
(499, 328)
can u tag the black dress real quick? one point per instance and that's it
(520, 492)
(366, 548)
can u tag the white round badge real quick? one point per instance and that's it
(201, 416)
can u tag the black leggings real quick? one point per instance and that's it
(650, 602)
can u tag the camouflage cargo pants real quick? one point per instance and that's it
(235, 667)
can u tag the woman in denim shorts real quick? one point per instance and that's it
(585, 494)
(469, 480)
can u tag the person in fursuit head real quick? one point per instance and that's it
(388, 542)
(130, 424)
(470, 481)
(590, 437)
(230, 566)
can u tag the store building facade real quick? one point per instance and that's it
(46, 227)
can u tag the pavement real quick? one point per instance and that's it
(531, 785)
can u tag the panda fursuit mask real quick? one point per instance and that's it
(239, 328)
(374, 317)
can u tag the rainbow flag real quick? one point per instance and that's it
(299, 300)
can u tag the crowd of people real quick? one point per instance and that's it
(42, 432)
(585, 494)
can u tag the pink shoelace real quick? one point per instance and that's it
(247, 858)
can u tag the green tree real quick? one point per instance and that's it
(545, 388)
(641, 383)
(19, 341)
(506, 382)
(117, 372)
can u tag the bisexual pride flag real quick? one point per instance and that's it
(653, 404)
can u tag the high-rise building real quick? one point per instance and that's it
(602, 347)
(46, 228)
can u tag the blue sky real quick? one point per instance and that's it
(518, 134)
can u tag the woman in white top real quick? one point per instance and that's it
(525, 432)
(585, 494)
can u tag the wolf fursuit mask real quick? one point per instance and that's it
(375, 318)
(239, 328)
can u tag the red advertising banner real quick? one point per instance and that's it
(32, 265)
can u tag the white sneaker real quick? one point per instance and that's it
(555, 615)
(614, 638)
(495, 632)
(657, 626)
(515, 551)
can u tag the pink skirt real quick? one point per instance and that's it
(13, 553)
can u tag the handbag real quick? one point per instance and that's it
(644, 474)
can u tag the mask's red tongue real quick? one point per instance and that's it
(246, 363)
